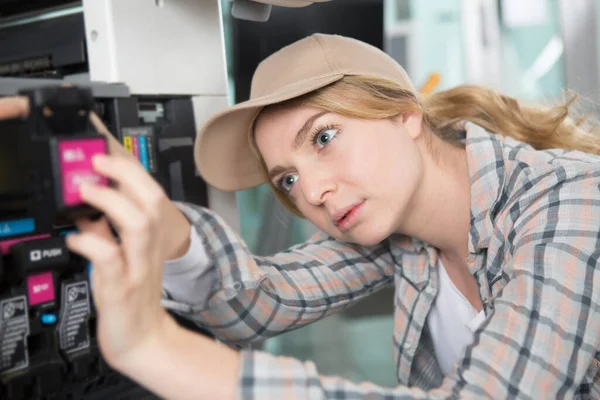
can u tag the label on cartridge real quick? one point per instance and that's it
(73, 329)
(14, 329)
(76, 166)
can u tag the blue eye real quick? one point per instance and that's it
(322, 138)
(287, 181)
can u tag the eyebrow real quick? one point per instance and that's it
(303, 132)
(298, 141)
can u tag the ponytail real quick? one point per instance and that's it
(543, 128)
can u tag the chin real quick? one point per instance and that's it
(367, 242)
(366, 237)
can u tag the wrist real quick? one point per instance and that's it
(149, 349)
(181, 364)
(178, 240)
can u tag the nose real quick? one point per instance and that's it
(316, 183)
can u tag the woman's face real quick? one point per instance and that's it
(353, 179)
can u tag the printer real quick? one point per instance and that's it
(153, 71)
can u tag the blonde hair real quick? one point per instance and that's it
(363, 97)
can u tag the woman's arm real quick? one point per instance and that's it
(253, 298)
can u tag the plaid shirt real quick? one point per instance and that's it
(534, 246)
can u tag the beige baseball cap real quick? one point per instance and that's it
(222, 150)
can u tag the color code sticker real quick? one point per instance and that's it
(139, 142)
(16, 227)
(40, 288)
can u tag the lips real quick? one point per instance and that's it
(339, 215)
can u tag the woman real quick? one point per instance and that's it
(491, 241)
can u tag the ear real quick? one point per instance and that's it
(413, 123)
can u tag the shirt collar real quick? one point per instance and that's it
(487, 173)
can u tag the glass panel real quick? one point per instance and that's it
(402, 10)
(507, 44)
(532, 50)
(426, 40)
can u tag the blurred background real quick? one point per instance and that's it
(534, 50)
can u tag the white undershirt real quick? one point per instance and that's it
(452, 321)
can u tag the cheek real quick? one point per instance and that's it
(376, 164)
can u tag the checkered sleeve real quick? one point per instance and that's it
(254, 297)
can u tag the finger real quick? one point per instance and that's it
(105, 256)
(14, 107)
(135, 228)
(114, 147)
(98, 124)
(100, 227)
(136, 183)
(117, 207)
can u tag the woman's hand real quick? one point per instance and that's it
(127, 274)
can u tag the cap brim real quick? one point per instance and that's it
(222, 151)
